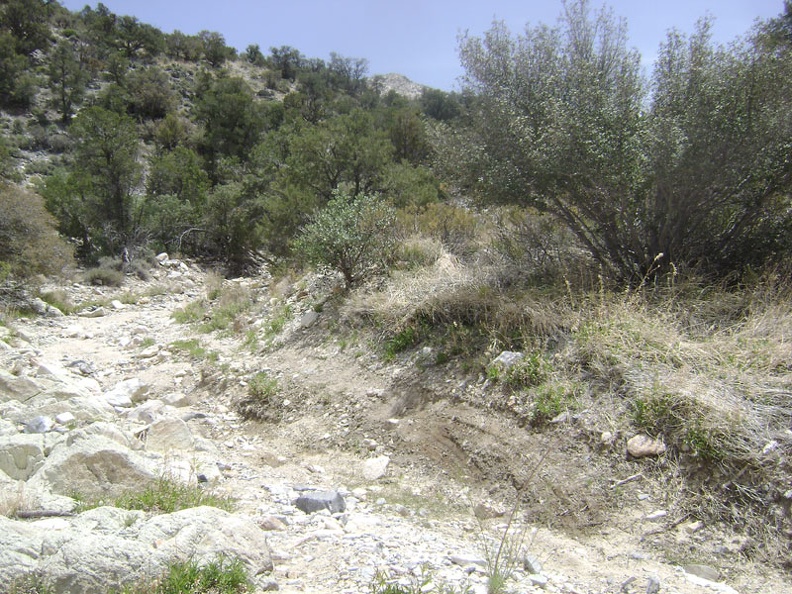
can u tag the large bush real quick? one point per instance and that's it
(29, 243)
(351, 234)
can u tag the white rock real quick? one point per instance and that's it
(643, 446)
(21, 455)
(168, 434)
(375, 468)
(126, 392)
(65, 418)
(95, 467)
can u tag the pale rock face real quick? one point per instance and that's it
(21, 455)
(110, 547)
(95, 467)
(167, 434)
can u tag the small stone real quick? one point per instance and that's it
(537, 579)
(507, 358)
(703, 571)
(656, 515)
(693, 527)
(369, 444)
(486, 511)
(466, 560)
(314, 501)
(653, 587)
(149, 352)
(117, 305)
(309, 318)
(375, 468)
(531, 564)
(65, 418)
(272, 524)
(643, 446)
(39, 425)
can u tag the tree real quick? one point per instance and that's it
(215, 50)
(718, 149)
(26, 21)
(348, 74)
(67, 79)
(556, 124)
(150, 93)
(253, 55)
(134, 38)
(183, 47)
(559, 121)
(16, 87)
(346, 149)
(351, 234)
(287, 61)
(107, 147)
(232, 122)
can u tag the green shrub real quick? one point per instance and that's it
(351, 234)
(263, 387)
(29, 242)
(104, 276)
(260, 402)
(168, 496)
(220, 576)
(194, 349)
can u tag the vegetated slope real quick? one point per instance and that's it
(462, 450)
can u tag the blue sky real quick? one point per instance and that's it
(418, 38)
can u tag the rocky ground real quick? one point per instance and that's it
(416, 470)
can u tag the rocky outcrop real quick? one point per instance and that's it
(108, 547)
(64, 438)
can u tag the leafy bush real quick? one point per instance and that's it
(29, 243)
(454, 226)
(105, 276)
(352, 235)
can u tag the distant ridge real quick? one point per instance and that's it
(399, 84)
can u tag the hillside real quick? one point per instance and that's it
(546, 318)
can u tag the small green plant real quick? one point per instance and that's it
(192, 312)
(422, 583)
(531, 370)
(194, 349)
(167, 496)
(221, 576)
(263, 387)
(147, 342)
(401, 341)
(58, 299)
(552, 399)
(277, 321)
(31, 583)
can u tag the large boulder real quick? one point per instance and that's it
(107, 548)
(21, 455)
(95, 467)
(17, 387)
(168, 434)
